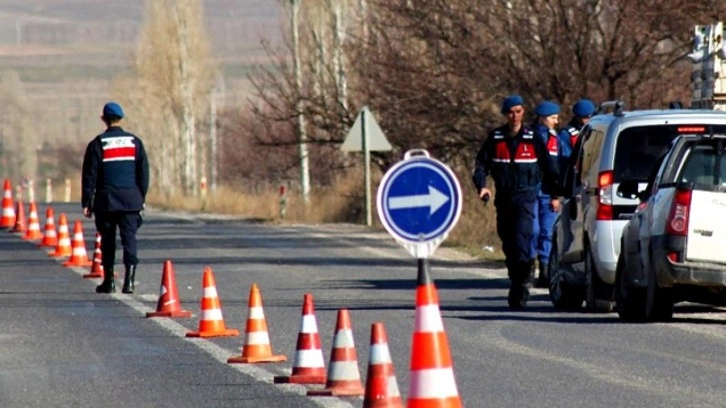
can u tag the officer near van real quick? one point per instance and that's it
(518, 162)
(544, 217)
(582, 111)
(114, 184)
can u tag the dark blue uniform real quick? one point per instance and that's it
(543, 214)
(518, 164)
(114, 185)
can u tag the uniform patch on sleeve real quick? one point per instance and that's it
(118, 148)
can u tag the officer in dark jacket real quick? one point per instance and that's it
(114, 185)
(544, 218)
(518, 162)
(582, 110)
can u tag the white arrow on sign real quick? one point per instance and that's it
(434, 199)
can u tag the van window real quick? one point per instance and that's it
(704, 166)
(638, 149)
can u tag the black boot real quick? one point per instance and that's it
(108, 285)
(129, 279)
(519, 291)
(543, 280)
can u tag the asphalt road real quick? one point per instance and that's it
(63, 345)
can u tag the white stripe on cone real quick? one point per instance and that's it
(428, 319)
(308, 324)
(210, 292)
(393, 387)
(379, 353)
(212, 314)
(256, 338)
(344, 370)
(309, 358)
(432, 383)
(343, 339)
(256, 312)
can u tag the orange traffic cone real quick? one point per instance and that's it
(381, 385)
(168, 304)
(431, 379)
(343, 373)
(33, 231)
(20, 217)
(211, 323)
(8, 216)
(79, 255)
(256, 348)
(308, 366)
(63, 248)
(50, 238)
(97, 263)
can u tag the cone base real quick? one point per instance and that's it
(172, 314)
(32, 237)
(57, 255)
(344, 391)
(72, 263)
(395, 402)
(47, 245)
(255, 360)
(93, 275)
(300, 379)
(223, 333)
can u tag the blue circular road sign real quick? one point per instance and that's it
(419, 199)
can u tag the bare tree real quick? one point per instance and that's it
(19, 141)
(168, 93)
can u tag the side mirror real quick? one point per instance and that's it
(628, 189)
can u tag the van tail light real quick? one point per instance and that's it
(678, 218)
(605, 196)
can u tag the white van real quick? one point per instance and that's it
(621, 146)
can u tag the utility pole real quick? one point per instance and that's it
(302, 137)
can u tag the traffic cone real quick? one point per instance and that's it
(343, 373)
(381, 385)
(308, 366)
(431, 379)
(211, 323)
(168, 304)
(20, 217)
(256, 348)
(63, 247)
(8, 216)
(79, 255)
(33, 230)
(50, 238)
(97, 263)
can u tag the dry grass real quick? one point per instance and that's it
(344, 201)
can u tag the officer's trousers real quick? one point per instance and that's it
(128, 223)
(544, 222)
(515, 219)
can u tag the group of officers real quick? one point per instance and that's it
(525, 163)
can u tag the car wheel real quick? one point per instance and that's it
(598, 294)
(630, 302)
(564, 296)
(659, 302)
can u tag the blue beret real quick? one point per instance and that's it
(547, 108)
(113, 109)
(510, 102)
(584, 108)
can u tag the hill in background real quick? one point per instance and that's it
(66, 51)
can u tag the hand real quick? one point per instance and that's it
(555, 203)
(485, 194)
(87, 212)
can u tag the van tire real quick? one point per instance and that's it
(564, 295)
(629, 301)
(598, 294)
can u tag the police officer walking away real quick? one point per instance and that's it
(114, 184)
(544, 217)
(518, 162)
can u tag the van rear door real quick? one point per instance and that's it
(705, 169)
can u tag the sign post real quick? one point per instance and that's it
(366, 136)
(419, 202)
